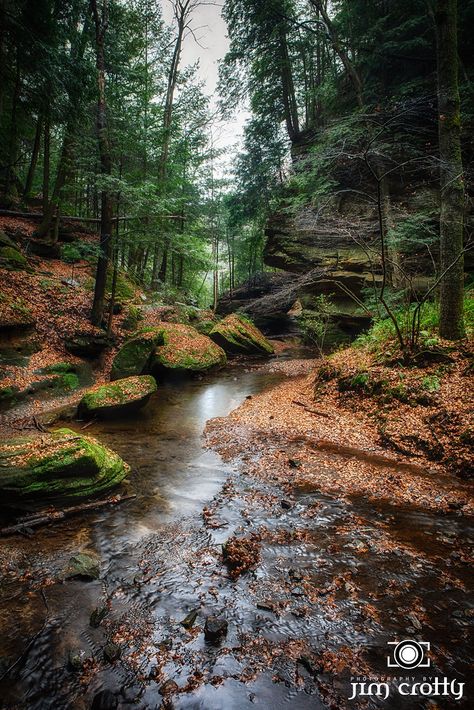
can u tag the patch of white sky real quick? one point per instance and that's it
(207, 45)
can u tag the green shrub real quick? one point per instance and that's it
(70, 253)
(327, 371)
(383, 329)
(431, 383)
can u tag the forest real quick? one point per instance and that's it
(236, 354)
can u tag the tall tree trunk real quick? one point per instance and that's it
(182, 10)
(352, 73)
(180, 270)
(34, 157)
(52, 205)
(106, 212)
(451, 183)
(10, 177)
(49, 206)
(288, 89)
(46, 163)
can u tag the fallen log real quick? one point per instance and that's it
(310, 410)
(34, 520)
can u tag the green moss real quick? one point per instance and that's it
(398, 392)
(118, 397)
(8, 394)
(185, 350)
(135, 356)
(431, 383)
(59, 465)
(69, 381)
(204, 327)
(16, 314)
(133, 318)
(124, 289)
(12, 259)
(237, 334)
(361, 382)
(59, 368)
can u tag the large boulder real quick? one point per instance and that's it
(236, 334)
(12, 259)
(117, 398)
(85, 344)
(186, 350)
(136, 356)
(60, 465)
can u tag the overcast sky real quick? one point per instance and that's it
(211, 46)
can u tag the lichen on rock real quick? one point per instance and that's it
(236, 334)
(116, 398)
(59, 465)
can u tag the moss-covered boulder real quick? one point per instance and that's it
(117, 398)
(87, 344)
(135, 357)
(5, 241)
(236, 334)
(186, 350)
(60, 465)
(12, 259)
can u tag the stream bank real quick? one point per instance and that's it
(308, 612)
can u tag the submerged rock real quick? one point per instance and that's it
(215, 629)
(112, 652)
(189, 619)
(236, 334)
(116, 398)
(186, 350)
(60, 465)
(76, 659)
(136, 356)
(85, 565)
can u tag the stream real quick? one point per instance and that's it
(337, 580)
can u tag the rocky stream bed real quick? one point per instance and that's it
(307, 592)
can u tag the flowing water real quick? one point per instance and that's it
(336, 580)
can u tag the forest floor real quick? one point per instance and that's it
(354, 426)
(43, 306)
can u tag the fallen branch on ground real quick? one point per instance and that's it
(311, 411)
(51, 516)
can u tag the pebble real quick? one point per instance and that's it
(215, 628)
(188, 621)
(75, 659)
(112, 652)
